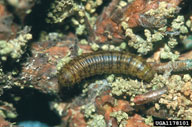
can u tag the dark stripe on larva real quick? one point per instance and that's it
(106, 62)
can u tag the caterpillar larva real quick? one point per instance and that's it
(104, 62)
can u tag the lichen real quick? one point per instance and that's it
(94, 46)
(63, 61)
(91, 5)
(91, 91)
(158, 17)
(95, 89)
(80, 29)
(15, 48)
(61, 9)
(149, 120)
(179, 97)
(88, 110)
(51, 36)
(8, 113)
(177, 23)
(127, 87)
(110, 78)
(143, 45)
(105, 47)
(97, 121)
(120, 116)
(83, 42)
(189, 24)
(166, 53)
(172, 42)
(164, 10)
(137, 42)
(159, 81)
(154, 18)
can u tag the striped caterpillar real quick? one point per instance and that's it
(104, 62)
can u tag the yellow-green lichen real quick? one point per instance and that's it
(105, 47)
(84, 42)
(61, 9)
(63, 61)
(127, 87)
(178, 22)
(189, 24)
(120, 116)
(149, 120)
(80, 29)
(51, 36)
(111, 78)
(97, 121)
(94, 46)
(142, 45)
(123, 46)
(14, 48)
(7, 113)
(93, 119)
(122, 4)
(157, 36)
(167, 54)
(178, 100)
(91, 5)
(159, 81)
(172, 42)
(88, 110)
(157, 16)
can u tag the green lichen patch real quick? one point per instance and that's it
(14, 48)
(127, 87)
(97, 121)
(178, 100)
(120, 116)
